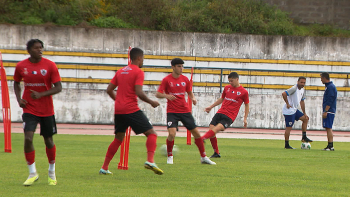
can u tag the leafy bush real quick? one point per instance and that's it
(32, 20)
(111, 22)
(216, 16)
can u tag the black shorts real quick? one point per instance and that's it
(47, 124)
(221, 118)
(186, 119)
(137, 121)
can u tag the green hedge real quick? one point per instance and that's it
(215, 16)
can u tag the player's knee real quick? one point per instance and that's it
(304, 119)
(149, 132)
(28, 140)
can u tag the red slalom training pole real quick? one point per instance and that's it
(190, 106)
(6, 110)
(124, 151)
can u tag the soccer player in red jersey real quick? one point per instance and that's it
(41, 80)
(232, 98)
(173, 88)
(129, 81)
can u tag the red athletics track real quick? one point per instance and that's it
(87, 129)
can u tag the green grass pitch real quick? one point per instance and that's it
(246, 168)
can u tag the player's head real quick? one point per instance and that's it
(233, 79)
(177, 64)
(325, 77)
(35, 48)
(136, 57)
(301, 82)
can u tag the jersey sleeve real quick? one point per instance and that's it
(291, 90)
(139, 78)
(303, 97)
(114, 81)
(188, 86)
(55, 75)
(224, 93)
(17, 76)
(246, 97)
(162, 86)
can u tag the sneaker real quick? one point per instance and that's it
(328, 148)
(288, 147)
(170, 160)
(153, 167)
(105, 172)
(305, 139)
(30, 181)
(215, 155)
(206, 160)
(52, 182)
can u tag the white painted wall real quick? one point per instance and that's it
(88, 103)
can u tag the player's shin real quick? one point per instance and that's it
(112, 149)
(170, 145)
(151, 145)
(200, 145)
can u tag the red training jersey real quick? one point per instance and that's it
(38, 77)
(233, 99)
(177, 87)
(126, 98)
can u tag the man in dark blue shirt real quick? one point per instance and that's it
(329, 106)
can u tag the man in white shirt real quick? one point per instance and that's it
(293, 96)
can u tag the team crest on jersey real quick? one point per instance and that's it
(183, 83)
(290, 123)
(170, 123)
(25, 71)
(43, 72)
(238, 93)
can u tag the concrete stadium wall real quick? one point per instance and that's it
(177, 43)
(88, 102)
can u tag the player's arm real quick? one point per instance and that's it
(246, 112)
(139, 92)
(17, 88)
(324, 114)
(191, 96)
(284, 96)
(302, 105)
(216, 103)
(110, 90)
(167, 96)
(57, 87)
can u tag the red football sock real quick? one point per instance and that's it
(214, 144)
(30, 157)
(51, 154)
(112, 149)
(151, 145)
(200, 145)
(208, 134)
(170, 145)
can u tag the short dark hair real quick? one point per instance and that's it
(31, 43)
(135, 53)
(301, 77)
(233, 75)
(177, 61)
(325, 75)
